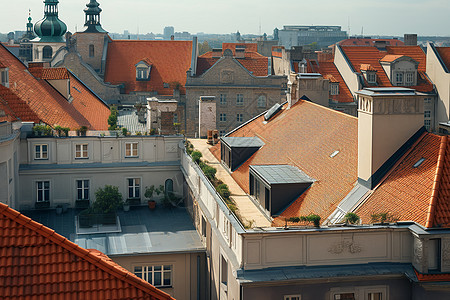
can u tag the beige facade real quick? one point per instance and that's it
(240, 96)
(9, 163)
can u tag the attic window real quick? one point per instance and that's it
(419, 162)
(334, 153)
(334, 88)
(141, 73)
(4, 76)
(166, 85)
(371, 77)
(143, 69)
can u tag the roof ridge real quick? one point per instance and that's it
(436, 183)
(77, 250)
(330, 109)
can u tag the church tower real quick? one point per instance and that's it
(50, 28)
(92, 21)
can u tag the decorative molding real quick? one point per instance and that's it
(345, 245)
(418, 252)
(445, 253)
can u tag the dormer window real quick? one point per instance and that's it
(334, 88)
(399, 78)
(369, 73)
(143, 69)
(4, 76)
(401, 69)
(371, 77)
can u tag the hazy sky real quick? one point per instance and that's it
(389, 17)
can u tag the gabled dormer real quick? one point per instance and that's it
(143, 69)
(4, 75)
(369, 73)
(400, 69)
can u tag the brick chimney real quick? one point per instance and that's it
(389, 119)
(410, 39)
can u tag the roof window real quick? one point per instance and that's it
(334, 153)
(419, 162)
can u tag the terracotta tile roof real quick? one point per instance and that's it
(407, 191)
(2, 66)
(253, 62)
(362, 55)
(170, 62)
(432, 277)
(38, 263)
(55, 73)
(47, 103)
(444, 53)
(369, 42)
(305, 136)
(252, 47)
(328, 70)
(15, 108)
(390, 57)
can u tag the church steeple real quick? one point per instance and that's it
(30, 33)
(92, 21)
(50, 28)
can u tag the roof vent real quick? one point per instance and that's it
(272, 111)
(334, 153)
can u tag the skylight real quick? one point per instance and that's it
(334, 153)
(419, 162)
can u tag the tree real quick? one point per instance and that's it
(107, 200)
(203, 48)
(112, 119)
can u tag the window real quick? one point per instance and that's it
(261, 102)
(4, 73)
(399, 78)
(375, 296)
(134, 188)
(292, 297)
(334, 89)
(158, 276)
(239, 99)
(223, 117)
(427, 124)
(81, 151)
(409, 78)
(434, 254)
(175, 118)
(47, 52)
(223, 99)
(427, 114)
(427, 100)
(222, 132)
(41, 151)
(224, 271)
(141, 74)
(43, 191)
(91, 51)
(82, 189)
(371, 77)
(131, 149)
(345, 296)
(239, 118)
(168, 186)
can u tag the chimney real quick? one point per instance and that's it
(172, 37)
(388, 121)
(410, 39)
(217, 53)
(381, 45)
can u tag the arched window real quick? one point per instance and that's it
(261, 101)
(168, 186)
(47, 52)
(91, 51)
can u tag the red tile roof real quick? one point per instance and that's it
(369, 42)
(55, 73)
(251, 47)
(46, 102)
(419, 194)
(15, 108)
(432, 277)
(362, 55)
(328, 70)
(253, 62)
(170, 62)
(38, 263)
(305, 136)
(444, 53)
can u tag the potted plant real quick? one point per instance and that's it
(149, 190)
(59, 209)
(83, 130)
(126, 205)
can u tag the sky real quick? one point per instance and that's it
(370, 17)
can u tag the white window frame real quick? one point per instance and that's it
(239, 99)
(293, 297)
(81, 151)
(398, 76)
(334, 89)
(261, 102)
(83, 188)
(42, 190)
(239, 118)
(409, 78)
(148, 272)
(40, 154)
(131, 149)
(4, 77)
(136, 188)
(427, 114)
(222, 117)
(223, 99)
(371, 77)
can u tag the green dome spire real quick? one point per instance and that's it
(92, 12)
(50, 28)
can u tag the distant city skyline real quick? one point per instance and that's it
(382, 17)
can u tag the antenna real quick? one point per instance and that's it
(259, 26)
(362, 31)
(348, 22)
